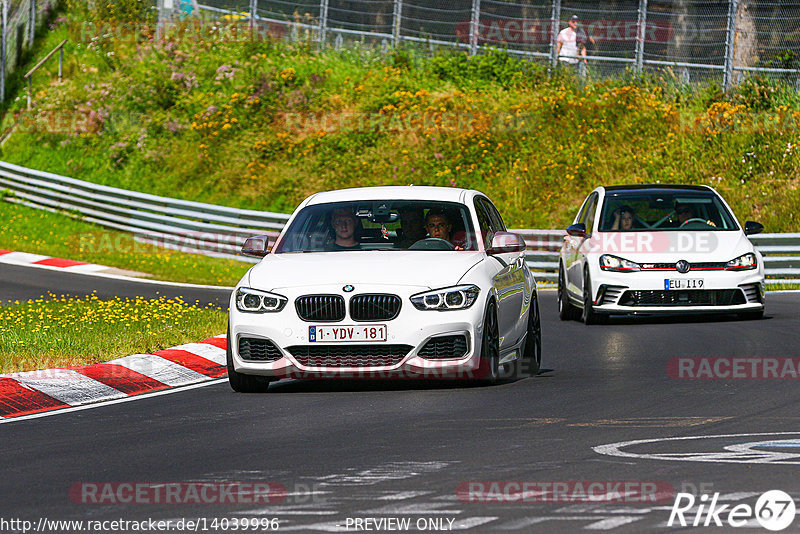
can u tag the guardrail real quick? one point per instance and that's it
(171, 223)
(220, 231)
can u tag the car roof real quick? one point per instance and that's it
(391, 192)
(659, 187)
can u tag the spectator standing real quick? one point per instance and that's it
(572, 42)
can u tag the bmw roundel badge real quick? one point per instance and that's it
(348, 288)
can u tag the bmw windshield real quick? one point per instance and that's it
(664, 210)
(380, 225)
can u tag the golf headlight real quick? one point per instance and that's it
(613, 263)
(449, 298)
(255, 301)
(742, 263)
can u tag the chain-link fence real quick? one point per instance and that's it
(719, 40)
(18, 22)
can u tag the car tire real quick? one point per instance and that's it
(489, 367)
(530, 362)
(242, 383)
(589, 315)
(751, 316)
(566, 311)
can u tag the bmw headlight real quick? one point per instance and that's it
(613, 263)
(255, 301)
(449, 298)
(742, 263)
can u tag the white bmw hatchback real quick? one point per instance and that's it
(395, 282)
(658, 249)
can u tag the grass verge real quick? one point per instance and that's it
(26, 229)
(60, 331)
(773, 286)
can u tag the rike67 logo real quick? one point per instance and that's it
(774, 510)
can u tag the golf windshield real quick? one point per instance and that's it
(661, 210)
(380, 225)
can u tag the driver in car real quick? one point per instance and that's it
(413, 225)
(344, 227)
(439, 227)
(686, 213)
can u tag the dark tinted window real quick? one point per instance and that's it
(663, 210)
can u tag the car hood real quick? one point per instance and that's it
(692, 246)
(427, 269)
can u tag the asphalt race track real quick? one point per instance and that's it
(376, 450)
(23, 283)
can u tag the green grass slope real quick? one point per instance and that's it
(262, 124)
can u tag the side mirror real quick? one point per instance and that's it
(504, 242)
(256, 246)
(752, 227)
(577, 230)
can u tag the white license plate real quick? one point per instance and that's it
(350, 333)
(683, 283)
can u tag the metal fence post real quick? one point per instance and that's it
(32, 22)
(730, 43)
(4, 38)
(640, 33)
(323, 22)
(474, 26)
(253, 14)
(555, 18)
(396, 22)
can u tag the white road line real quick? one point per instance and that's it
(22, 258)
(86, 268)
(402, 495)
(738, 496)
(387, 472)
(69, 387)
(161, 369)
(6, 420)
(528, 521)
(417, 508)
(471, 522)
(612, 522)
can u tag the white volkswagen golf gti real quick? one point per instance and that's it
(395, 282)
(658, 249)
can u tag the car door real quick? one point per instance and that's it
(575, 247)
(509, 280)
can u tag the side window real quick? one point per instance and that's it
(494, 216)
(588, 215)
(484, 224)
(579, 217)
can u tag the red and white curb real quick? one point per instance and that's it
(25, 258)
(32, 392)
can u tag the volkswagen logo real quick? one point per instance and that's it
(683, 266)
(348, 288)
